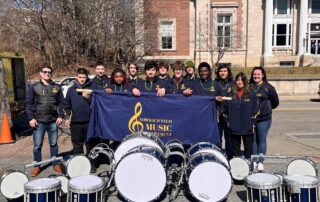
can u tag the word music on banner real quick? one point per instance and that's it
(189, 119)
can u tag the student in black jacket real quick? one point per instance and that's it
(241, 112)
(224, 79)
(78, 111)
(179, 84)
(133, 75)
(190, 72)
(119, 82)
(268, 100)
(163, 76)
(100, 81)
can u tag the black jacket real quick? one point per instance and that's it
(45, 102)
(100, 83)
(77, 107)
(268, 100)
(178, 88)
(207, 87)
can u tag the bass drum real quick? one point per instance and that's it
(140, 175)
(12, 184)
(136, 139)
(239, 168)
(208, 178)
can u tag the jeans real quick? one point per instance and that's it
(260, 139)
(224, 130)
(38, 135)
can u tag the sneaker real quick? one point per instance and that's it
(255, 165)
(35, 171)
(260, 167)
(57, 168)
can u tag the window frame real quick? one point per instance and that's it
(224, 25)
(310, 8)
(173, 37)
(289, 7)
(288, 35)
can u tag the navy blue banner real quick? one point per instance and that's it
(188, 119)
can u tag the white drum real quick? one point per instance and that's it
(12, 184)
(77, 166)
(302, 166)
(42, 190)
(64, 184)
(239, 168)
(209, 148)
(136, 139)
(88, 188)
(140, 175)
(208, 179)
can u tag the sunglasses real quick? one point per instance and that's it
(46, 72)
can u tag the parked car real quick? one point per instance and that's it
(67, 82)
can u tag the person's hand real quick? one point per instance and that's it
(136, 92)
(108, 90)
(58, 121)
(161, 92)
(219, 98)
(67, 123)
(187, 92)
(33, 123)
(86, 94)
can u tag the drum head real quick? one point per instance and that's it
(140, 177)
(129, 144)
(64, 183)
(12, 184)
(42, 185)
(77, 166)
(210, 181)
(239, 168)
(302, 167)
(263, 181)
(85, 184)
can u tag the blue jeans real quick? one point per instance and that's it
(260, 139)
(38, 135)
(224, 130)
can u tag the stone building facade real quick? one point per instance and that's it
(239, 33)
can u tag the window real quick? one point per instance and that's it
(315, 6)
(281, 35)
(224, 31)
(166, 35)
(282, 7)
(286, 63)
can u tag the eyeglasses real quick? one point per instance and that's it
(47, 72)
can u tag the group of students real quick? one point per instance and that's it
(246, 116)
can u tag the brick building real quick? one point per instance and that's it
(242, 33)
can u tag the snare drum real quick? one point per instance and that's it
(135, 139)
(208, 178)
(208, 148)
(12, 183)
(263, 187)
(175, 153)
(239, 168)
(88, 188)
(42, 190)
(77, 166)
(301, 188)
(302, 166)
(282, 187)
(140, 175)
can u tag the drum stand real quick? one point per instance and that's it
(104, 149)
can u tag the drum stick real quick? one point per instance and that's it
(226, 98)
(43, 162)
(80, 90)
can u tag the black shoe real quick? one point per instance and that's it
(93, 169)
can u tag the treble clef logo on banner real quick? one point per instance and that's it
(134, 124)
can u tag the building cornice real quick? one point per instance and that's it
(224, 4)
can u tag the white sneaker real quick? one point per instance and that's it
(260, 167)
(255, 165)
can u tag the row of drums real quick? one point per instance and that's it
(140, 168)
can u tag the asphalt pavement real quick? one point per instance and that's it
(295, 133)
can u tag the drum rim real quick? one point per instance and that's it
(188, 151)
(247, 162)
(54, 187)
(269, 185)
(73, 189)
(134, 151)
(70, 159)
(6, 174)
(309, 160)
(227, 163)
(289, 182)
(142, 134)
(187, 179)
(193, 156)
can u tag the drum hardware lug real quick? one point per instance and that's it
(295, 188)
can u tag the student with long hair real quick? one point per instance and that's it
(268, 100)
(241, 112)
(119, 82)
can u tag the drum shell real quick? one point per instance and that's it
(21, 182)
(42, 189)
(42, 193)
